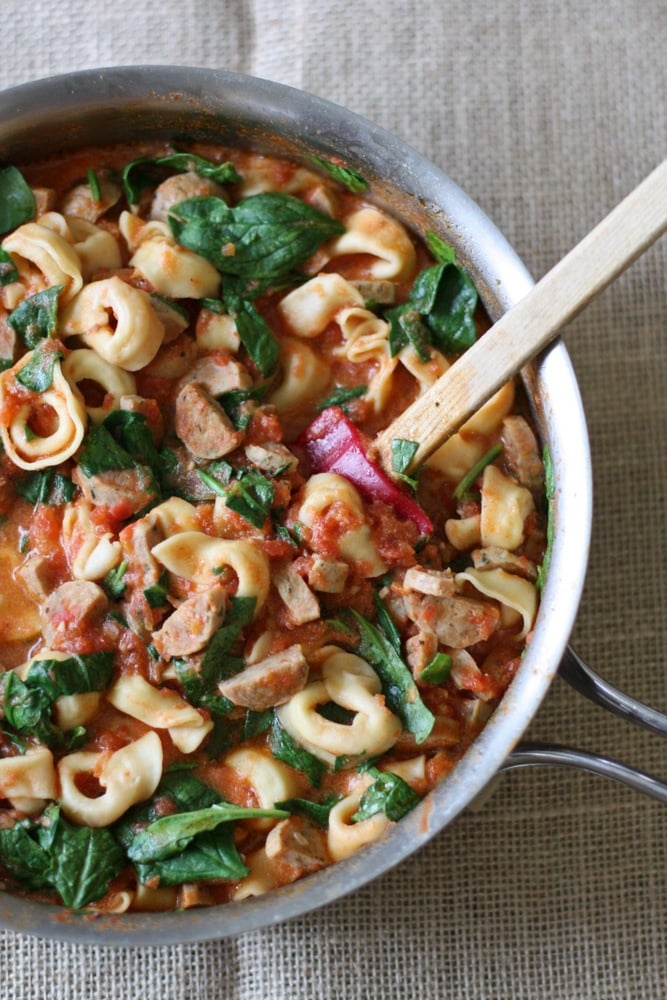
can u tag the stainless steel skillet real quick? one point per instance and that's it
(126, 104)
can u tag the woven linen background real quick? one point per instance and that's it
(547, 114)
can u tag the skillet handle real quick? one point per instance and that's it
(584, 680)
(533, 754)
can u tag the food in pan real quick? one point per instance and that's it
(225, 664)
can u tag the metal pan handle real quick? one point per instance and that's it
(584, 680)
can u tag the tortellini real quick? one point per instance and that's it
(303, 376)
(355, 544)
(161, 708)
(117, 321)
(86, 365)
(199, 558)
(371, 231)
(127, 776)
(34, 246)
(45, 428)
(352, 683)
(171, 269)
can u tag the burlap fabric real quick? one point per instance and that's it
(547, 114)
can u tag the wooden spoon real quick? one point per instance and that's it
(531, 324)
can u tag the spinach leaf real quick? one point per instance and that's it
(317, 811)
(146, 171)
(8, 270)
(463, 486)
(284, 748)
(223, 173)
(446, 298)
(37, 373)
(94, 185)
(37, 316)
(267, 235)
(78, 674)
(200, 680)
(133, 433)
(27, 704)
(171, 834)
(402, 453)
(437, 670)
(251, 496)
(28, 864)
(217, 476)
(211, 855)
(114, 583)
(45, 486)
(156, 594)
(256, 723)
(443, 253)
(233, 403)
(398, 685)
(440, 311)
(124, 441)
(388, 794)
(17, 202)
(28, 710)
(77, 861)
(349, 178)
(407, 327)
(84, 860)
(253, 330)
(102, 453)
(550, 492)
(386, 622)
(342, 395)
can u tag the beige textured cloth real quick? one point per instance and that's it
(547, 114)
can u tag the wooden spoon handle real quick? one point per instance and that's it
(530, 325)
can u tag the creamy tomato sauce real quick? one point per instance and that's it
(225, 664)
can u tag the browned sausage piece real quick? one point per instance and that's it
(178, 188)
(218, 374)
(522, 453)
(73, 606)
(270, 682)
(202, 424)
(299, 843)
(192, 625)
(126, 491)
(457, 621)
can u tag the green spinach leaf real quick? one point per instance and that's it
(251, 496)
(284, 748)
(317, 811)
(267, 235)
(36, 317)
(437, 670)
(464, 484)
(84, 860)
(398, 685)
(8, 269)
(388, 794)
(253, 330)
(171, 834)
(77, 861)
(37, 374)
(341, 396)
(17, 202)
(45, 486)
(351, 179)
